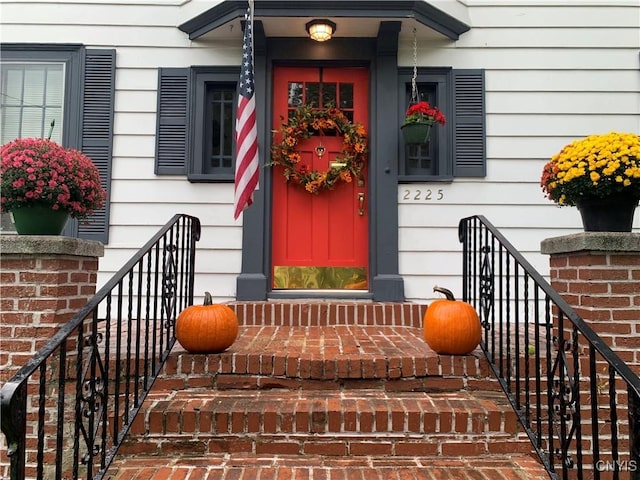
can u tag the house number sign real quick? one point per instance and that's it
(423, 195)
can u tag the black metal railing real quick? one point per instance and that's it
(65, 413)
(578, 402)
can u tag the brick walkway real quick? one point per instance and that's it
(256, 467)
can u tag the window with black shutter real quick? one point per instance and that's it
(456, 149)
(196, 119)
(55, 83)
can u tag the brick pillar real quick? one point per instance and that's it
(44, 280)
(598, 274)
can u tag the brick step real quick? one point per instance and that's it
(329, 357)
(307, 312)
(353, 422)
(260, 466)
(316, 411)
(326, 390)
(329, 445)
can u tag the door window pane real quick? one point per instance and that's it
(321, 94)
(295, 94)
(312, 94)
(329, 95)
(346, 95)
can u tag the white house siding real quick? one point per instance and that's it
(555, 71)
(145, 36)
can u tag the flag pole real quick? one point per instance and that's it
(247, 159)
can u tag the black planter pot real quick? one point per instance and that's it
(609, 214)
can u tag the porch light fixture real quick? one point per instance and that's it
(320, 30)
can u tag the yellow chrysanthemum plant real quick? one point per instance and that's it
(597, 166)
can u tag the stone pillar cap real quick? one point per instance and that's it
(592, 241)
(49, 245)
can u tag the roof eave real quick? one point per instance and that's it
(419, 10)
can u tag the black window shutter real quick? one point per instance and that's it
(97, 132)
(171, 130)
(469, 124)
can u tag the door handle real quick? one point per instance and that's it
(361, 204)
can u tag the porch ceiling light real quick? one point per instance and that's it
(321, 30)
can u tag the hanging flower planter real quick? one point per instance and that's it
(416, 133)
(420, 116)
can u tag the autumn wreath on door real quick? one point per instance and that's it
(307, 121)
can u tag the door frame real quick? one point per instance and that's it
(379, 55)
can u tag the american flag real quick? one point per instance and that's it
(247, 162)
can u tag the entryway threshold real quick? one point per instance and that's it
(300, 312)
(321, 295)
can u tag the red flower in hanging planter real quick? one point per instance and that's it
(423, 112)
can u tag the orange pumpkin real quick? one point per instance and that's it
(451, 327)
(208, 328)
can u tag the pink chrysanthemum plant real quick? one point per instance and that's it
(39, 172)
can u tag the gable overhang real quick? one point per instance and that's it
(359, 17)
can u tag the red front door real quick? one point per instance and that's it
(320, 241)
